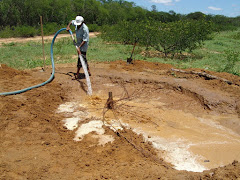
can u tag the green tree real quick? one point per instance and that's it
(179, 36)
(196, 16)
(10, 14)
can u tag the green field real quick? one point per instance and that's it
(219, 54)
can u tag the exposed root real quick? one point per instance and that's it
(206, 75)
(118, 108)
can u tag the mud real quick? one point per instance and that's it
(163, 125)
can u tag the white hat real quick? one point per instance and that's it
(78, 20)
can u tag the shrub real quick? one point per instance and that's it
(25, 31)
(6, 32)
(19, 31)
(128, 32)
(232, 57)
(121, 32)
(93, 27)
(182, 35)
(226, 27)
(170, 37)
(50, 28)
(237, 36)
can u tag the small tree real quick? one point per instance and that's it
(182, 35)
(171, 38)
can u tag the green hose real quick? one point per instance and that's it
(49, 80)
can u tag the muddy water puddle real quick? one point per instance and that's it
(187, 141)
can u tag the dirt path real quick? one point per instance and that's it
(38, 38)
(163, 124)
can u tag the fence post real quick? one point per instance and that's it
(42, 44)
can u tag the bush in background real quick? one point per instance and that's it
(6, 32)
(25, 31)
(169, 38)
(19, 31)
(179, 36)
(237, 35)
(93, 27)
(232, 57)
(50, 28)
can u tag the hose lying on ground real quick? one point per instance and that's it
(53, 72)
(49, 80)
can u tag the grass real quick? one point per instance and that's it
(213, 55)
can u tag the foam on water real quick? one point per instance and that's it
(103, 139)
(186, 143)
(92, 126)
(177, 152)
(71, 123)
(68, 107)
(115, 125)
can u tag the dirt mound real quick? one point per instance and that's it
(36, 144)
(12, 79)
(7, 72)
(138, 65)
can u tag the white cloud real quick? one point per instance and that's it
(214, 8)
(162, 1)
(165, 2)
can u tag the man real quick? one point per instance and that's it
(82, 35)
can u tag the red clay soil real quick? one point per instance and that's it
(36, 145)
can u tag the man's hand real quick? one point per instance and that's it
(68, 28)
(78, 50)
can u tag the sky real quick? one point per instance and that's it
(229, 8)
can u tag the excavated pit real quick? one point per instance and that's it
(162, 124)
